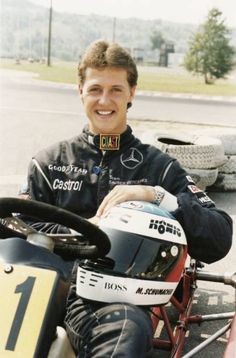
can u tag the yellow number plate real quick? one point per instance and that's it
(24, 297)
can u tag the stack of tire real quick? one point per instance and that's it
(226, 179)
(200, 156)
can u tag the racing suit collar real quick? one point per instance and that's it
(94, 139)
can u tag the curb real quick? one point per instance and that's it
(191, 96)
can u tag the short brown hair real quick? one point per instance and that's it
(101, 54)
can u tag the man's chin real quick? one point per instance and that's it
(107, 126)
(106, 129)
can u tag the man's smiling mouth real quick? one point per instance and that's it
(104, 113)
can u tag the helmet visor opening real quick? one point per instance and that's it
(142, 257)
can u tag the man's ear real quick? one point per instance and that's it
(80, 88)
(132, 93)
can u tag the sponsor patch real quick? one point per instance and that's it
(163, 227)
(194, 189)
(132, 158)
(132, 205)
(153, 291)
(68, 185)
(114, 286)
(109, 141)
(67, 169)
(200, 194)
(189, 179)
(117, 181)
(205, 199)
(125, 218)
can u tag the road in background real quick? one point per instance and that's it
(185, 109)
(34, 115)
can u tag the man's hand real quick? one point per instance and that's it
(24, 196)
(121, 193)
(94, 220)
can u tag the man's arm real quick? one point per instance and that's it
(208, 229)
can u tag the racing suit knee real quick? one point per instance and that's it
(107, 330)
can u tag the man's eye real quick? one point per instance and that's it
(117, 89)
(94, 90)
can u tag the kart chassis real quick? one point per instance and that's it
(176, 333)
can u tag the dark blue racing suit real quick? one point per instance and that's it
(76, 175)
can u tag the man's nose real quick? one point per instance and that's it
(104, 97)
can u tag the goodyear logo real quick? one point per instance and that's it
(109, 141)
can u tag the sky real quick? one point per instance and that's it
(181, 11)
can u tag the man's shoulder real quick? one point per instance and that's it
(57, 149)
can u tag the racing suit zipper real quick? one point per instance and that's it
(103, 179)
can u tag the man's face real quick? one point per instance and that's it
(105, 95)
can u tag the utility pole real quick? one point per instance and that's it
(49, 35)
(114, 30)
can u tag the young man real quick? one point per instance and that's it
(107, 165)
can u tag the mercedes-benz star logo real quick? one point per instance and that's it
(132, 158)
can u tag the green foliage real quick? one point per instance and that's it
(157, 39)
(210, 52)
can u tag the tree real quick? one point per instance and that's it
(164, 47)
(157, 39)
(210, 53)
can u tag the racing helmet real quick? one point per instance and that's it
(146, 259)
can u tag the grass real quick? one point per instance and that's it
(180, 81)
(59, 72)
(150, 78)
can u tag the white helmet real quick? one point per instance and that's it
(146, 259)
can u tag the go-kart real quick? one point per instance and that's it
(35, 282)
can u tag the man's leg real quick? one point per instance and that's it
(107, 330)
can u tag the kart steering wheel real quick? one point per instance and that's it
(98, 242)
